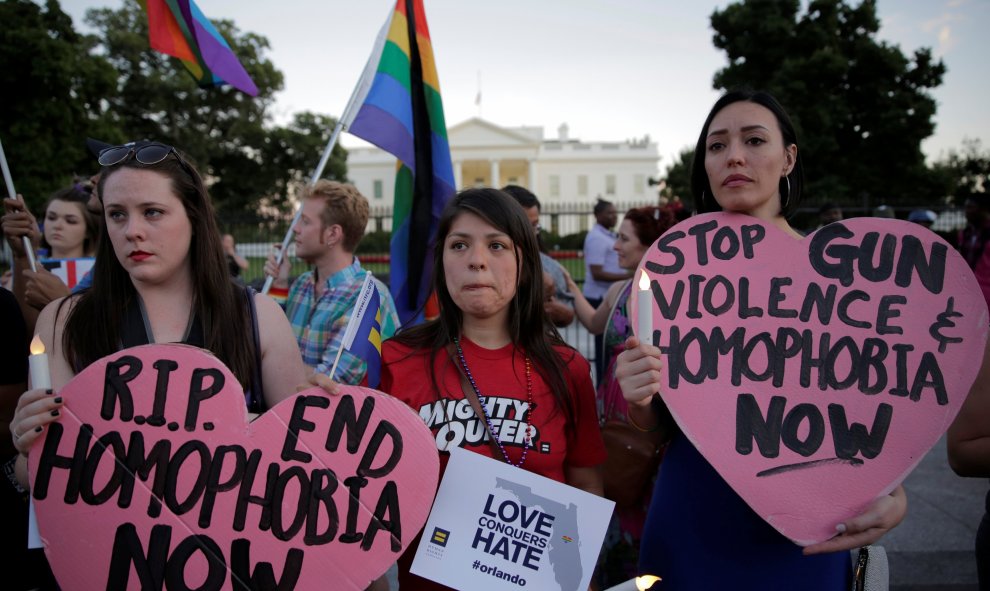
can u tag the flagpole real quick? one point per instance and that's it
(13, 195)
(366, 75)
(477, 98)
(336, 360)
(312, 181)
(351, 327)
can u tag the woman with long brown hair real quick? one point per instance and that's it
(535, 391)
(160, 277)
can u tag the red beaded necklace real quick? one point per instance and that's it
(527, 442)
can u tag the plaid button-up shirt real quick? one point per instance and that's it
(319, 325)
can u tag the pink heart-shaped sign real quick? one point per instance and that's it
(812, 374)
(154, 474)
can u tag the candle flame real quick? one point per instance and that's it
(644, 281)
(37, 347)
(645, 582)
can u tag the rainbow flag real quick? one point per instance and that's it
(178, 28)
(397, 107)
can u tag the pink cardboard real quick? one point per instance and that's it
(812, 374)
(320, 492)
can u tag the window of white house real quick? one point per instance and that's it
(554, 185)
(378, 190)
(639, 184)
(582, 181)
(610, 184)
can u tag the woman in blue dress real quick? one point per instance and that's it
(699, 533)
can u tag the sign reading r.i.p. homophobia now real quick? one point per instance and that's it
(153, 478)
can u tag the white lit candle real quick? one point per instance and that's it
(38, 363)
(644, 310)
(638, 584)
(40, 378)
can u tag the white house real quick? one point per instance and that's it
(560, 170)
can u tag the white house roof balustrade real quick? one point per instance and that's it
(559, 170)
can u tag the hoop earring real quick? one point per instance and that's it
(787, 198)
(703, 200)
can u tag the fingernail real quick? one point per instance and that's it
(48, 391)
(58, 400)
(841, 528)
(37, 429)
(55, 413)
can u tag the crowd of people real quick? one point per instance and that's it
(163, 273)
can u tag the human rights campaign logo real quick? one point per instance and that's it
(438, 541)
(440, 537)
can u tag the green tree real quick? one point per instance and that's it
(297, 148)
(54, 88)
(247, 161)
(861, 107)
(678, 177)
(964, 172)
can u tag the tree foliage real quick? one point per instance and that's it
(677, 177)
(965, 172)
(861, 107)
(53, 85)
(65, 86)
(297, 147)
(228, 134)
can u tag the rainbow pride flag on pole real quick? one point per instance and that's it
(179, 28)
(397, 107)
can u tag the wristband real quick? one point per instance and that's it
(9, 472)
(279, 294)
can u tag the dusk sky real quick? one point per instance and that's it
(612, 70)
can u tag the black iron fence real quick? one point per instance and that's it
(563, 228)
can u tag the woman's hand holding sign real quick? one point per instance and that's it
(864, 529)
(323, 381)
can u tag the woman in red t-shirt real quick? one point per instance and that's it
(493, 337)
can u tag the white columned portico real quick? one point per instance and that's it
(531, 175)
(458, 175)
(495, 181)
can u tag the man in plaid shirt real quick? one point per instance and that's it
(319, 304)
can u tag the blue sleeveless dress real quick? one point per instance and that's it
(700, 534)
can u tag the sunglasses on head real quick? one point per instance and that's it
(148, 154)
